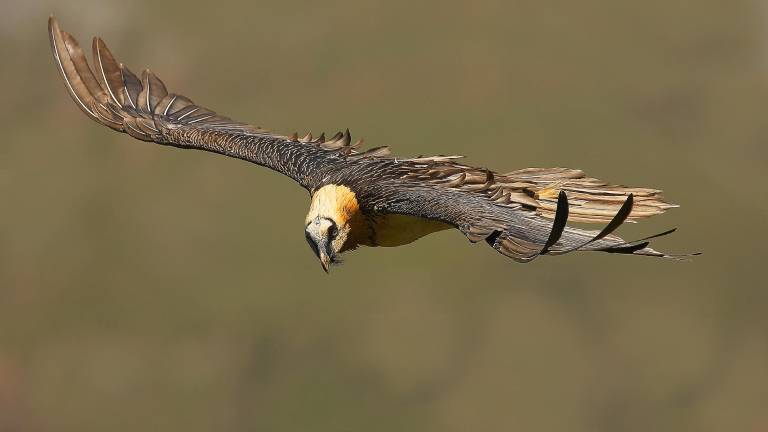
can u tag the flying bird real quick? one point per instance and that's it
(369, 197)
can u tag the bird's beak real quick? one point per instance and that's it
(325, 261)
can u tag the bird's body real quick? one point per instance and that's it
(368, 198)
(386, 230)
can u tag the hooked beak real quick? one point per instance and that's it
(319, 244)
(325, 260)
(320, 233)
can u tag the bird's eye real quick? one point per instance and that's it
(332, 231)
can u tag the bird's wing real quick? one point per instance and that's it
(522, 214)
(112, 95)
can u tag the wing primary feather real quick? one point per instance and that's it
(84, 71)
(631, 249)
(107, 69)
(199, 119)
(617, 220)
(146, 91)
(173, 99)
(68, 71)
(195, 109)
(131, 86)
(634, 242)
(558, 226)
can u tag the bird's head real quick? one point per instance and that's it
(329, 223)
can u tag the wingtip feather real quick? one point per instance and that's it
(68, 69)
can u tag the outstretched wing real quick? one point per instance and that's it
(522, 214)
(591, 200)
(113, 96)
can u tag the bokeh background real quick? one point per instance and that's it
(149, 288)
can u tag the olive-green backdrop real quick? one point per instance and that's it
(152, 289)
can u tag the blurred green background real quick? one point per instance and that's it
(149, 288)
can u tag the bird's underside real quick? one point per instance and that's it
(391, 201)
